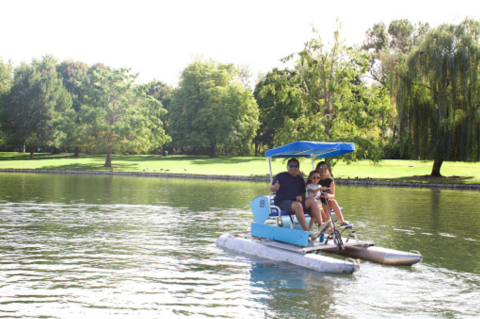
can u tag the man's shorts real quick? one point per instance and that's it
(287, 205)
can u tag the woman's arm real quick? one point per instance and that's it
(332, 190)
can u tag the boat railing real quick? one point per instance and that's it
(274, 208)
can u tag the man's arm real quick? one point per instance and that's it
(275, 187)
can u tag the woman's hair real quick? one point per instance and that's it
(309, 180)
(323, 163)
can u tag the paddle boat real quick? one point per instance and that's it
(277, 235)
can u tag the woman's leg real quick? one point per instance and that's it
(327, 216)
(333, 204)
(315, 211)
(312, 219)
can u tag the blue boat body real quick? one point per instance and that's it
(261, 212)
(286, 235)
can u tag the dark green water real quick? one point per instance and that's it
(76, 246)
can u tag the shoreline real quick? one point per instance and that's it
(354, 182)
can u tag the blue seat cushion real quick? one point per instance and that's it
(285, 213)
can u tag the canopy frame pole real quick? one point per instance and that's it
(270, 167)
(313, 158)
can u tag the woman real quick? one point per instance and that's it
(328, 185)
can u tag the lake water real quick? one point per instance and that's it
(109, 247)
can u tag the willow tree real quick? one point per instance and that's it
(438, 95)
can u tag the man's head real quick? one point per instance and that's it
(293, 166)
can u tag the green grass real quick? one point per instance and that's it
(387, 170)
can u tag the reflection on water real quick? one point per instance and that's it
(73, 246)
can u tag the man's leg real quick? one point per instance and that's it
(298, 210)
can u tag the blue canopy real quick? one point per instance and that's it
(307, 149)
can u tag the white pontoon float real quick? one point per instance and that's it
(283, 239)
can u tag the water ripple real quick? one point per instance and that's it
(72, 260)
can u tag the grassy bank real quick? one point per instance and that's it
(387, 170)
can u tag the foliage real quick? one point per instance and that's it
(35, 105)
(76, 79)
(6, 76)
(273, 106)
(211, 109)
(331, 100)
(164, 94)
(438, 95)
(6, 81)
(119, 117)
(388, 49)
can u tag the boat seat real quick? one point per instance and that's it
(274, 213)
(273, 209)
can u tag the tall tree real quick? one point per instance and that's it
(164, 94)
(35, 104)
(438, 96)
(119, 117)
(6, 76)
(6, 81)
(76, 79)
(326, 88)
(273, 107)
(211, 109)
(389, 48)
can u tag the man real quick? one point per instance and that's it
(290, 194)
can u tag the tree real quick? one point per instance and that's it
(388, 49)
(119, 117)
(6, 76)
(76, 80)
(36, 103)
(164, 94)
(273, 107)
(6, 81)
(333, 102)
(438, 95)
(211, 109)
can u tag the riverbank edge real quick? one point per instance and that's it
(359, 182)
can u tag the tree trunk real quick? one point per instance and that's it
(76, 151)
(437, 164)
(108, 161)
(32, 153)
(213, 150)
(256, 148)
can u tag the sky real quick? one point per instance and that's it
(158, 39)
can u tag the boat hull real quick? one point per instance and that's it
(251, 246)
